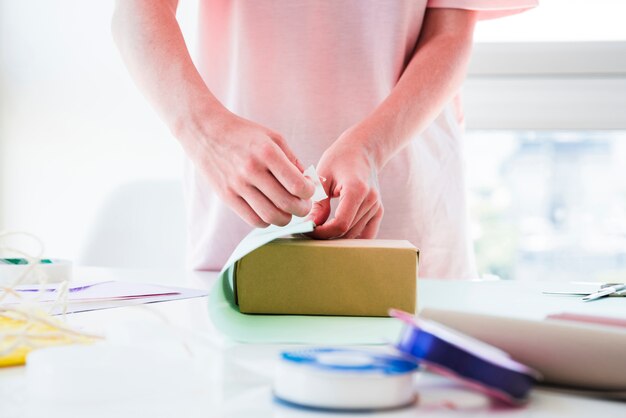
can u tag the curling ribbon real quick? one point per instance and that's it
(463, 358)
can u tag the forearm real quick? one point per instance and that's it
(431, 79)
(154, 50)
(250, 167)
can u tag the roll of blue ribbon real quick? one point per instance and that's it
(473, 362)
(335, 359)
(347, 380)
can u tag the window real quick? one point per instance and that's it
(549, 205)
(546, 142)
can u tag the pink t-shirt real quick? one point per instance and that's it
(309, 70)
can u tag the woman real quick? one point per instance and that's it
(366, 90)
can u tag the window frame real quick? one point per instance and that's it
(546, 86)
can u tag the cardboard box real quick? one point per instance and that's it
(336, 277)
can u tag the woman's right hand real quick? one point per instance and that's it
(250, 167)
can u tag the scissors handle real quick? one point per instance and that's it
(605, 291)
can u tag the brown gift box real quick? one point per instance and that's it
(336, 277)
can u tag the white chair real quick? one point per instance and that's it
(140, 225)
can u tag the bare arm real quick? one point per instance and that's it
(151, 43)
(431, 79)
(250, 167)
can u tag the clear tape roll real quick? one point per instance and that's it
(55, 272)
(344, 380)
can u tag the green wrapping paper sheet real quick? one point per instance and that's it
(290, 329)
(295, 329)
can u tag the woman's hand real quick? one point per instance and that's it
(350, 175)
(251, 168)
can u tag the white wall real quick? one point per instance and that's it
(72, 125)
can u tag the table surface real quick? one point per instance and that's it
(228, 379)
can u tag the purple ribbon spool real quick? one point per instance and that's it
(474, 363)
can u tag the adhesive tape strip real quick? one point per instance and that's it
(344, 380)
(474, 363)
(55, 272)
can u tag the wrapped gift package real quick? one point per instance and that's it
(350, 277)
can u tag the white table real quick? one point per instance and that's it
(234, 380)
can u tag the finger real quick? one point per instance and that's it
(359, 226)
(320, 211)
(371, 200)
(264, 208)
(347, 209)
(371, 229)
(288, 174)
(352, 200)
(245, 212)
(281, 198)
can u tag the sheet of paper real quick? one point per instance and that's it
(100, 295)
(261, 236)
(94, 305)
(295, 329)
(571, 288)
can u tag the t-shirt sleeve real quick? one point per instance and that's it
(487, 9)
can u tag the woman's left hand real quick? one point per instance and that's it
(351, 176)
